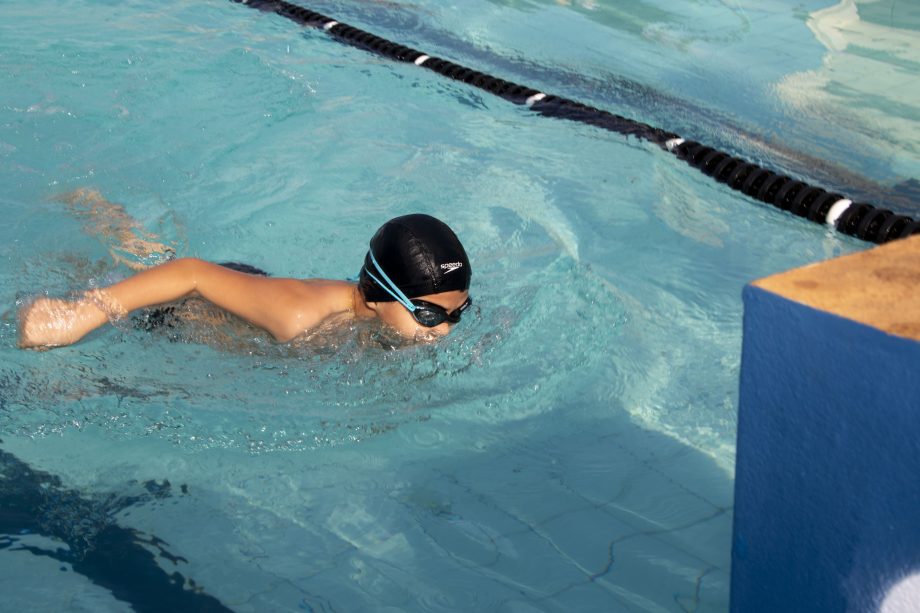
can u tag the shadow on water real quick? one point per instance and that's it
(113, 557)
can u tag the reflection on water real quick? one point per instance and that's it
(632, 18)
(870, 46)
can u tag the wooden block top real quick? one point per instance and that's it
(879, 287)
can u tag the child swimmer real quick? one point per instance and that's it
(415, 279)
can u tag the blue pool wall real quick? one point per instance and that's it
(827, 483)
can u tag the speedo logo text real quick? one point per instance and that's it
(451, 267)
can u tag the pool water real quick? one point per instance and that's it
(569, 447)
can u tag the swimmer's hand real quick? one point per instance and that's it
(53, 322)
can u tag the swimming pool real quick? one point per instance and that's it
(569, 448)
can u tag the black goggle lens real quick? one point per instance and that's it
(431, 315)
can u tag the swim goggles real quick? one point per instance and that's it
(425, 313)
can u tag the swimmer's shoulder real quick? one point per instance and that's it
(317, 301)
(329, 288)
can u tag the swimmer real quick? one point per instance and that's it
(415, 279)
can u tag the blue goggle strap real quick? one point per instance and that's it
(388, 286)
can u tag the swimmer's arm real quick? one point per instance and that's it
(276, 305)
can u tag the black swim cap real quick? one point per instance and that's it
(420, 254)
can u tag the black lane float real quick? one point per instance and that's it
(816, 204)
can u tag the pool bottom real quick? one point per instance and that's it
(439, 517)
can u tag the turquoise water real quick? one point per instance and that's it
(570, 446)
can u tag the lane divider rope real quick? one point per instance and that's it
(816, 204)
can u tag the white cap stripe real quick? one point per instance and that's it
(837, 210)
(674, 143)
(534, 99)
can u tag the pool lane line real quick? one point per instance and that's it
(816, 204)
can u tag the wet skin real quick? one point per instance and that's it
(286, 308)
